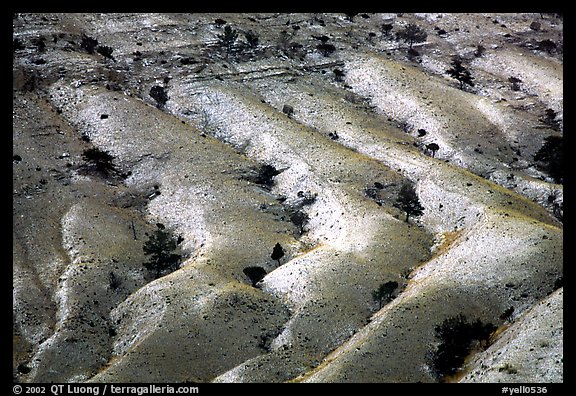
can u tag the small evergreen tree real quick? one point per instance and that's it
(384, 292)
(252, 39)
(412, 34)
(386, 28)
(277, 253)
(408, 201)
(228, 39)
(460, 73)
(161, 247)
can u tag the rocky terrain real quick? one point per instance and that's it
(218, 198)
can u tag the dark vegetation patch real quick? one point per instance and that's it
(101, 163)
(263, 176)
(162, 249)
(160, 95)
(255, 274)
(458, 338)
(549, 158)
(384, 293)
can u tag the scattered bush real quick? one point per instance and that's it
(228, 39)
(350, 15)
(387, 28)
(289, 48)
(161, 247)
(100, 160)
(160, 95)
(326, 49)
(288, 110)
(40, 43)
(457, 338)
(547, 45)
(263, 176)
(515, 83)
(105, 51)
(114, 281)
(88, 43)
(338, 75)
(507, 314)
(251, 39)
(384, 292)
(550, 158)
(480, 49)
(17, 45)
(550, 119)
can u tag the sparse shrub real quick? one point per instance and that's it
(515, 83)
(160, 95)
(338, 75)
(547, 45)
(480, 49)
(228, 38)
(299, 218)
(251, 39)
(412, 34)
(550, 158)
(350, 15)
(289, 48)
(408, 201)
(88, 43)
(550, 119)
(277, 253)
(255, 274)
(326, 49)
(507, 314)
(457, 338)
(460, 73)
(17, 45)
(105, 51)
(387, 28)
(114, 282)
(263, 176)
(384, 292)
(288, 110)
(308, 198)
(40, 43)
(100, 160)
(161, 247)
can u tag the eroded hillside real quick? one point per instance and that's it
(230, 134)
